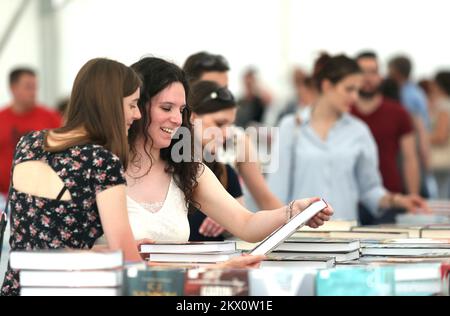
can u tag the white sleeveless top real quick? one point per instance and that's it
(169, 224)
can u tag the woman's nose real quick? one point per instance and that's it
(177, 118)
(137, 114)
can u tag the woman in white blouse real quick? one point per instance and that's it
(161, 187)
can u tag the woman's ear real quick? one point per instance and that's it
(326, 85)
(194, 116)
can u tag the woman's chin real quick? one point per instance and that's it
(161, 144)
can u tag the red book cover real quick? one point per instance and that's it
(445, 275)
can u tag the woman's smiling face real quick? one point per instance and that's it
(166, 110)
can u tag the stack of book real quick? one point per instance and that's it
(242, 245)
(439, 206)
(312, 248)
(293, 260)
(333, 225)
(69, 272)
(421, 279)
(190, 253)
(291, 281)
(412, 247)
(325, 230)
(440, 214)
(422, 219)
(406, 231)
(368, 235)
(436, 231)
(355, 281)
(386, 280)
(142, 280)
(216, 282)
(396, 231)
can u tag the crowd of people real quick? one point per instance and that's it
(120, 159)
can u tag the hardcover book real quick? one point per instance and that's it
(190, 247)
(217, 282)
(212, 257)
(65, 260)
(99, 278)
(148, 281)
(294, 261)
(411, 230)
(319, 245)
(282, 282)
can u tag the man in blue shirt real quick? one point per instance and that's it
(411, 95)
(415, 101)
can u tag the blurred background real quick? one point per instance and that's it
(56, 37)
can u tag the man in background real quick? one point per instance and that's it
(20, 117)
(393, 130)
(414, 100)
(204, 66)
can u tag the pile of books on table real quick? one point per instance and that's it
(68, 272)
(191, 253)
(328, 249)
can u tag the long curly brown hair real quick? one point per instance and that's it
(157, 74)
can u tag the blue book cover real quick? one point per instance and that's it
(356, 281)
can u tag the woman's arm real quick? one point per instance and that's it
(410, 163)
(373, 194)
(424, 142)
(216, 203)
(256, 184)
(112, 207)
(250, 171)
(440, 133)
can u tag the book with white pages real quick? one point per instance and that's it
(439, 206)
(379, 260)
(319, 245)
(244, 245)
(405, 250)
(333, 225)
(310, 234)
(65, 260)
(294, 261)
(436, 231)
(212, 257)
(282, 281)
(286, 230)
(189, 247)
(339, 257)
(367, 235)
(408, 243)
(422, 219)
(76, 291)
(413, 231)
(99, 278)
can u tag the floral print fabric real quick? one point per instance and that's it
(41, 223)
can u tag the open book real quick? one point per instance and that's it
(285, 231)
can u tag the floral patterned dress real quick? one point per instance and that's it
(41, 223)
